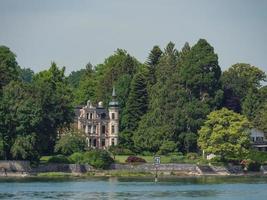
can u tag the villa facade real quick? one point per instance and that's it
(100, 125)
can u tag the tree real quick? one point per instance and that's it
(242, 77)
(109, 73)
(20, 115)
(70, 142)
(225, 133)
(55, 97)
(167, 147)
(251, 103)
(152, 61)
(26, 75)
(86, 89)
(136, 105)
(75, 77)
(8, 66)
(260, 120)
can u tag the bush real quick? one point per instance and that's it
(58, 159)
(76, 158)
(167, 147)
(135, 159)
(99, 159)
(146, 153)
(177, 159)
(254, 166)
(70, 142)
(117, 150)
(258, 156)
(191, 156)
(251, 165)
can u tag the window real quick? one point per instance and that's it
(87, 116)
(103, 129)
(112, 115)
(91, 115)
(112, 129)
(103, 142)
(112, 142)
(94, 142)
(94, 128)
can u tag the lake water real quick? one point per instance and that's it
(135, 188)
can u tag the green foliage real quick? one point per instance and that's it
(1, 149)
(192, 156)
(26, 75)
(108, 73)
(241, 77)
(136, 105)
(76, 158)
(99, 159)
(240, 83)
(24, 148)
(167, 147)
(58, 159)
(8, 66)
(71, 141)
(258, 156)
(260, 120)
(225, 133)
(152, 62)
(119, 150)
(74, 78)
(20, 115)
(55, 97)
(86, 89)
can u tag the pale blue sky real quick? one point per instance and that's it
(74, 32)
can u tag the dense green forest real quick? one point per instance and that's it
(163, 102)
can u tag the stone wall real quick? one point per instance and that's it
(68, 168)
(151, 167)
(15, 166)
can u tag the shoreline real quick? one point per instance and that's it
(122, 174)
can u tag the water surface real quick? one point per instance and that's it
(219, 188)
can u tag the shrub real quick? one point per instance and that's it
(146, 153)
(70, 142)
(258, 156)
(191, 156)
(135, 159)
(167, 147)
(117, 150)
(177, 159)
(251, 165)
(58, 159)
(99, 159)
(76, 158)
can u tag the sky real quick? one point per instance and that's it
(75, 32)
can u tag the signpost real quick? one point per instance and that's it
(156, 163)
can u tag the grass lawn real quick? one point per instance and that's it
(44, 159)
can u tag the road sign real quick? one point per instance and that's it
(156, 160)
